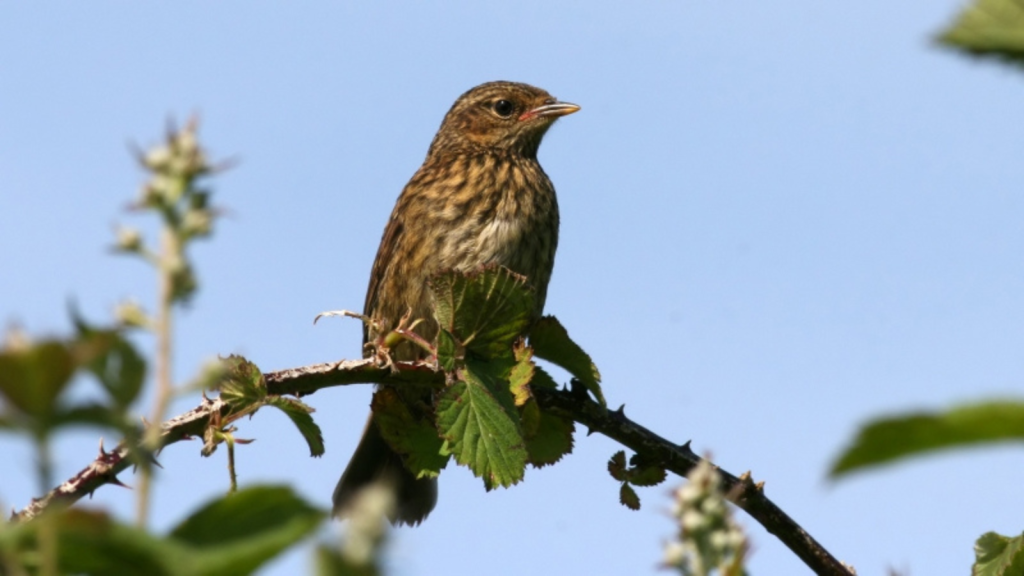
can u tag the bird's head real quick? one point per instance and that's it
(500, 116)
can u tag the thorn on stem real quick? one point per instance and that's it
(578, 389)
(117, 482)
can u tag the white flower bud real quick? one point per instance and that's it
(693, 521)
(129, 313)
(157, 158)
(128, 239)
(675, 553)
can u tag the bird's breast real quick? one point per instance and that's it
(507, 215)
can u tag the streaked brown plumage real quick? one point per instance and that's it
(479, 198)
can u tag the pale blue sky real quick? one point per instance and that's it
(778, 220)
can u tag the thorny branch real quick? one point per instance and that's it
(573, 404)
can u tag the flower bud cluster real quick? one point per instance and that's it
(366, 526)
(175, 167)
(176, 164)
(708, 539)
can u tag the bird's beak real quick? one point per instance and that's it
(551, 108)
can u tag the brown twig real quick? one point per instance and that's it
(107, 465)
(300, 381)
(573, 404)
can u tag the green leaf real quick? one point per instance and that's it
(997, 555)
(88, 414)
(114, 361)
(494, 376)
(521, 374)
(416, 439)
(529, 419)
(32, 378)
(551, 341)
(647, 476)
(486, 310)
(894, 438)
(548, 437)
(628, 497)
(480, 432)
(617, 466)
(446, 350)
(93, 543)
(237, 533)
(541, 379)
(243, 384)
(551, 440)
(122, 371)
(299, 413)
(989, 28)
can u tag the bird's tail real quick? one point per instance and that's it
(374, 461)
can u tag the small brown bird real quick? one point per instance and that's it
(479, 198)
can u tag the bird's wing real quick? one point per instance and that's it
(388, 242)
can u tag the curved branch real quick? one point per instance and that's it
(107, 465)
(680, 459)
(573, 404)
(296, 381)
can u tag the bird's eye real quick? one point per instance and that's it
(504, 108)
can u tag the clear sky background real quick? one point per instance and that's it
(778, 220)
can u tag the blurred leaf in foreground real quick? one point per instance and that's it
(992, 28)
(893, 438)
